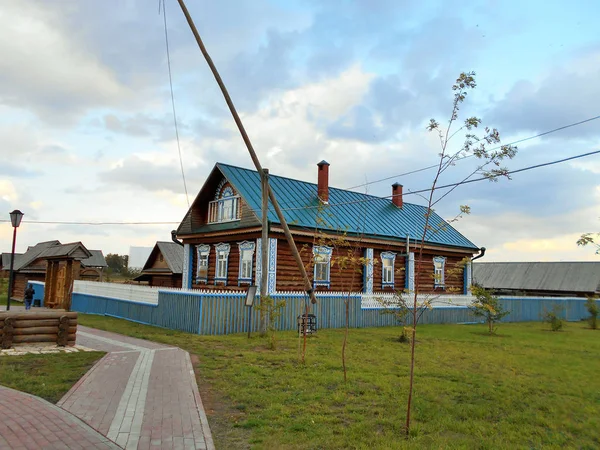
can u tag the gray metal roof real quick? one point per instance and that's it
(173, 254)
(96, 260)
(6, 260)
(539, 276)
(33, 253)
(70, 249)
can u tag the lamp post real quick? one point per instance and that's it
(15, 220)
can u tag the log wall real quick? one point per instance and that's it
(35, 327)
(454, 276)
(399, 271)
(345, 278)
(233, 263)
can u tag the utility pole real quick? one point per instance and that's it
(288, 235)
(264, 248)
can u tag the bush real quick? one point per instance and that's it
(487, 305)
(592, 307)
(553, 317)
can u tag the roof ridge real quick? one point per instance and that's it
(315, 184)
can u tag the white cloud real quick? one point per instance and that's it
(44, 70)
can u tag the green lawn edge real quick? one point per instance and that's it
(525, 387)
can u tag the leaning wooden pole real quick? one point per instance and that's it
(264, 247)
(288, 235)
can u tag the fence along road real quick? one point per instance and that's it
(223, 312)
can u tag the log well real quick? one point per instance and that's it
(32, 327)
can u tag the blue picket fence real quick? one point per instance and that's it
(208, 313)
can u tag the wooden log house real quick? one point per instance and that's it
(221, 233)
(51, 258)
(164, 265)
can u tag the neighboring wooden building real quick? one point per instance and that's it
(33, 264)
(548, 279)
(221, 233)
(5, 267)
(164, 265)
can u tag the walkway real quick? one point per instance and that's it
(29, 422)
(141, 395)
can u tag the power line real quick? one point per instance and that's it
(374, 198)
(45, 222)
(187, 198)
(365, 200)
(469, 156)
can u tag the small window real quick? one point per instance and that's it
(439, 262)
(222, 263)
(246, 260)
(322, 260)
(203, 252)
(161, 258)
(387, 269)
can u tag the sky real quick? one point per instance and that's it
(87, 133)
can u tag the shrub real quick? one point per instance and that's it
(553, 317)
(592, 307)
(487, 305)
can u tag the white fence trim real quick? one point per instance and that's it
(149, 295)
(131, 292)
(380, 300)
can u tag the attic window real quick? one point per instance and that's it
(225, 208)
(161, 258)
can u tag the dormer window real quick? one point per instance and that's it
(225, 207)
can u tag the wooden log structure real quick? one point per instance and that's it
(31, 327)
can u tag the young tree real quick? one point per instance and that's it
(487, 305)
(474, 145)
(592, 306)
(590, 239)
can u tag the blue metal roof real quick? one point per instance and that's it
(348, 211)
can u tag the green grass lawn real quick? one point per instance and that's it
(524, 388)
(48, 376)
(3, 290)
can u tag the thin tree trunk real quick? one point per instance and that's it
(346, 337)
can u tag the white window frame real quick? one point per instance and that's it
(322, 256)
(388, 272)
(222, 263)
(203, 254)
(439, 277)
(246, 248)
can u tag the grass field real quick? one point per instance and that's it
(3, 290)
(48, 376)
(524, 388)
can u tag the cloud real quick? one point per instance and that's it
(565, 94)
(153, 176)
(46, 71)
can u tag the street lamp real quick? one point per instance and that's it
(15, 220)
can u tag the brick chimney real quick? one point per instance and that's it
(323, 183)
(397, 194)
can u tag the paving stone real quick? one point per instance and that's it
(26, 428)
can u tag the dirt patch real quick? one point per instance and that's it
(222, 416)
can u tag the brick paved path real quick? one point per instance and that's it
(142, 395)
(29, 422)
